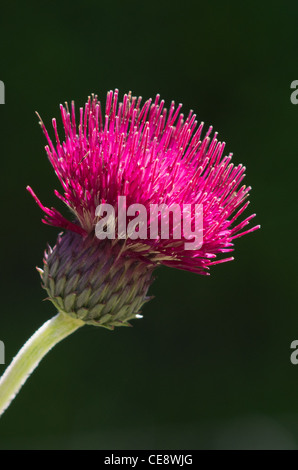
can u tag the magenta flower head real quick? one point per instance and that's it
(144, 189)
(126, 175)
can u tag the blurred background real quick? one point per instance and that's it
(208, 367)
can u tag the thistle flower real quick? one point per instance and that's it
(149, 156)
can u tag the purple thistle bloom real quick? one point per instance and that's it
(150, 156)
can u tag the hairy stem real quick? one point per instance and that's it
(28, 358)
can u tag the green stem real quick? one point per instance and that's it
(32, 352)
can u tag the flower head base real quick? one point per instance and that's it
(149, 156)
(87, 280)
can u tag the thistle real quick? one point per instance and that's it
(144, 157)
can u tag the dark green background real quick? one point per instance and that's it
(209, 365)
